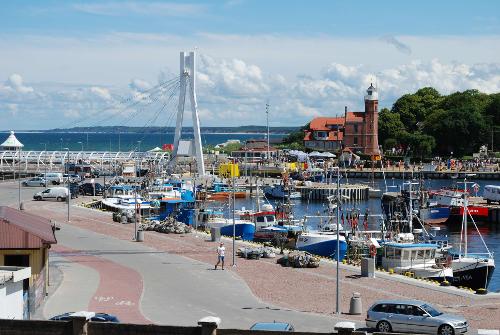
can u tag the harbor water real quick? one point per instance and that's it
(489, 232)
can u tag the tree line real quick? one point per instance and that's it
(427, 123)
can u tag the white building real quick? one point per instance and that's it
(12, 304)
(11, 143)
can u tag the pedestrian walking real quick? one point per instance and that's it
(221, 250)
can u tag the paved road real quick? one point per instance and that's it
(175, 290)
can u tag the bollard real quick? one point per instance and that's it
(123, 219)
(215, 234)
(21, 206)
(209, 325)
(140, 236)
(355, 306)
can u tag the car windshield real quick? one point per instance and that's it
(431, 310)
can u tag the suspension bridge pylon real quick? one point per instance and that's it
(188, 78)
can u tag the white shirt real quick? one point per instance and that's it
(221, 251)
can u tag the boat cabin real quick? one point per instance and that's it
(121, 191)
(400, 255)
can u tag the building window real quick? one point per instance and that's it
(355, 140)
(355, 128)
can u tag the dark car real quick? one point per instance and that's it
(91, 316)
(273, 326)
(91, 189)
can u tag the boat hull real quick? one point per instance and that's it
(435, 215)
(326, 248)
(244, 230)
(472, 274)
(478, 213)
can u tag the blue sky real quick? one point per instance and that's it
(64, 60)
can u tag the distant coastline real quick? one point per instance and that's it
(240, 130)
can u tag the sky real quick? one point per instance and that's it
(89, 63)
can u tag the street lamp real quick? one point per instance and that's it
(80, 142)
(66, 169)
(45, 153)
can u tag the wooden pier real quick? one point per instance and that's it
(319, 191)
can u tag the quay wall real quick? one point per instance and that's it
(79, 326)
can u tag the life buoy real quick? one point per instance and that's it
(373, 250)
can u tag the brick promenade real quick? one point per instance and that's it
(310, 290)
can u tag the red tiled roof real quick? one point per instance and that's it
(355, 116)
(322, 123)
(19, 229)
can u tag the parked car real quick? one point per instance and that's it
(273, 326)
(413, 316)
(54, 178)
(52, 193)
(73, 178)
(88, 189)
(91, 316)
(35, 181)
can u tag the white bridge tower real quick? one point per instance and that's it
(188, 75)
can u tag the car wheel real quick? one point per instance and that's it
(38, 198)
(384, 327)
(58, 199)
(446, 330)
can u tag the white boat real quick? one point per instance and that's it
(322, 242)
(279, 191)
(416, 258)
(470, 270)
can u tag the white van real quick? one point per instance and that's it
(52, 193)
(492, 193)
(54, 178)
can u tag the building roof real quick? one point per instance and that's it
(322, 123)
(355, 116)
(12, 142)
(22, 230)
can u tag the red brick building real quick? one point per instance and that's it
(356, 130)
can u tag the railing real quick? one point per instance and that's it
(37, 160)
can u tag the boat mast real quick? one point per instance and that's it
(464, 216)
(267, 119)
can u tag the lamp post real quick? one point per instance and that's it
(138, 154)
(45, 152)
(66, 168)
(81, 143)
(337, 252)
(234, 223)
(19, 177)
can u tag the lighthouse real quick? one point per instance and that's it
(371, 122)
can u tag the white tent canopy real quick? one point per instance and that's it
(11, 143)
(322, 154)
(157, 149)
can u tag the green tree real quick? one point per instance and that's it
(389, 126)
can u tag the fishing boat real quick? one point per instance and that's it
(473, 270)
(222, 191)
(323, 242)
(280, 191)
(446, 204)
(415, 259)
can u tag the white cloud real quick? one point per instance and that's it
(101, 92)
(15, 84)
(140, 8)
(234, 92)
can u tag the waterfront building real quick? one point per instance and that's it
(357, 131)
(25, 240)
(255, 150)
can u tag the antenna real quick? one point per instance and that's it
(267, 119)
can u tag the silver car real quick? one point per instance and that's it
(35, 181)
(413, 316)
